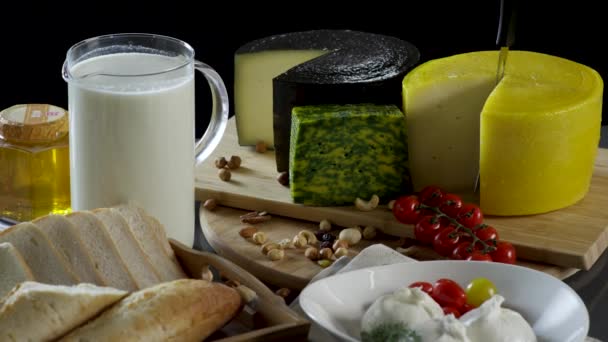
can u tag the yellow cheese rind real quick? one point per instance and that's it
(535, 135)
(540, 131)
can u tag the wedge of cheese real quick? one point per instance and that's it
(534, 136)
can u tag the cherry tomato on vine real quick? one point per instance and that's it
(479, 256)
(486, 233)
(446, 241)
(424, 286)
(469, 215)
(407, 209)
(450, 205)
(427, 229)
(463, 250)
(447, 293)
(505, 253)
(450, 310)
(479, 290)
(431, 195)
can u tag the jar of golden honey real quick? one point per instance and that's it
(34, 161)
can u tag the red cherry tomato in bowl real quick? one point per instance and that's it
(505, 253)
(450, 310)
(447, 293)
(424, 286)
(431, 195)
(470, 215)
(407, 209)
(450, 205)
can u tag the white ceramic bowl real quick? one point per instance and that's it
(553, 309)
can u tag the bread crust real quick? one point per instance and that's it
(180, 310)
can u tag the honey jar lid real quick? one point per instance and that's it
(33, 124)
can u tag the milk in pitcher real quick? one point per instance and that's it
(131, 132)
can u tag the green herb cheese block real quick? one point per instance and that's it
(341, 152)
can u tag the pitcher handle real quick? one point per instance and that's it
(219, 113)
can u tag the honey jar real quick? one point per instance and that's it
(34, 161)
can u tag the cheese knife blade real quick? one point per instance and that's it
(504, 40)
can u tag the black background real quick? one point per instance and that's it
(36, 37)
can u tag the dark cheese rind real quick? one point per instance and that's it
(360, 67)
(341, 152)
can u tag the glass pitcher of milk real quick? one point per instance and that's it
(131, 105)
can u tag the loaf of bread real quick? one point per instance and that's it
(13, 268)
(40, 312)
(180, 310)
(65, 237)
(47, 264)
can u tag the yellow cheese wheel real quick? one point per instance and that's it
(533, 137)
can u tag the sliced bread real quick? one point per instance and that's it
(65, 238)
(13, 269)
(42, 312)
(103, 251)
(182, 310)
(167, 266)
(135, 259)
(47, 264)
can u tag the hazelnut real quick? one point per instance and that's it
(283, 292)
(220, 163)
(325, 226)
(234, 162)
(210, 204)
(369, 233)
(283, 178)
(312, 253)
(276, 254)
(224, 174)
(259, 238)
(326, 253)
(248, 232)
(260, 147)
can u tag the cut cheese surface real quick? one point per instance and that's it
(253, 90)
(536, 133)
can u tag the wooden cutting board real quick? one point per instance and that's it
(221, 228)
(571, 237)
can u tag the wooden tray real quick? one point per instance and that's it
(221, 228)
(572, 237)
(271, 320)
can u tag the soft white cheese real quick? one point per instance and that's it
(492, 323)
(410, 306)
(445, 329)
